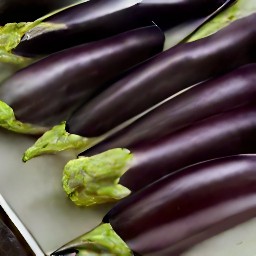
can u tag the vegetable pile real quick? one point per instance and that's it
(167, 131)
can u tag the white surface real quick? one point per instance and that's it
(34, 192)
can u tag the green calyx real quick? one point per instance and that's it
(56, 140)
(40, 26)
(238, 10)
(101, 241)
(94, 180)
(9, 122)
(11, 33)
(10, 37)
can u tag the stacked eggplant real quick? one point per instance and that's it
(97, 19)
(108, 91)
(151, 82)
(46, 92)
(189, 162)
(101, 40)
(176, 212)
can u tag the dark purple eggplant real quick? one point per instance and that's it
(178, 211)
(114, 174)
(214, 96)
(168, 13)
(28, 10)
(85, 22)
(164, 75)
(149, 83)
(97, 19)
(46, 92)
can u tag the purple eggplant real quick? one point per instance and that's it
(46, 92)
(164, 75)
(97, 19)
(114, 174)
(214, 96)
(151, 82)
(178, 211)
(85, 22)
(167, 13)
(28, 10)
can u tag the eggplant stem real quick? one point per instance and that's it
(95, 180)
(238, 9)
(101, 241)
(9, 122)
(56, 140)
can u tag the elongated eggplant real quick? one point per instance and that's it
(85, 22)
(167, 13)
(164, 75)
(151, 82)
(114, 174)
(214, 96)
(28, 10)
(97, 19)
(178, 211)
(46, 92)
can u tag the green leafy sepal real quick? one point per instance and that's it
(9, 122)
(56, 140)
(101, 241)
(94, 180)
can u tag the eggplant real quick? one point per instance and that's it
(164, 75)
(46, 92)
(114, 174)
(97, 19)
(82, 23)
(178, 211)
(168, 13)
(29, 10)
(213, 96)
(151, 82)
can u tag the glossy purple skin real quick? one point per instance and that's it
(167, 13)
(46, 92)
(86, 22)
(166, 74)
(99, 19)
(187, 207)
(28, 10)
(228, 133)
(214, 96)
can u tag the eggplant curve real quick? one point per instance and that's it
(234, 89)
(114, 174)
(150, 83)
(97, 19)
(46, 92)
(177, 212)
(164, 75)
